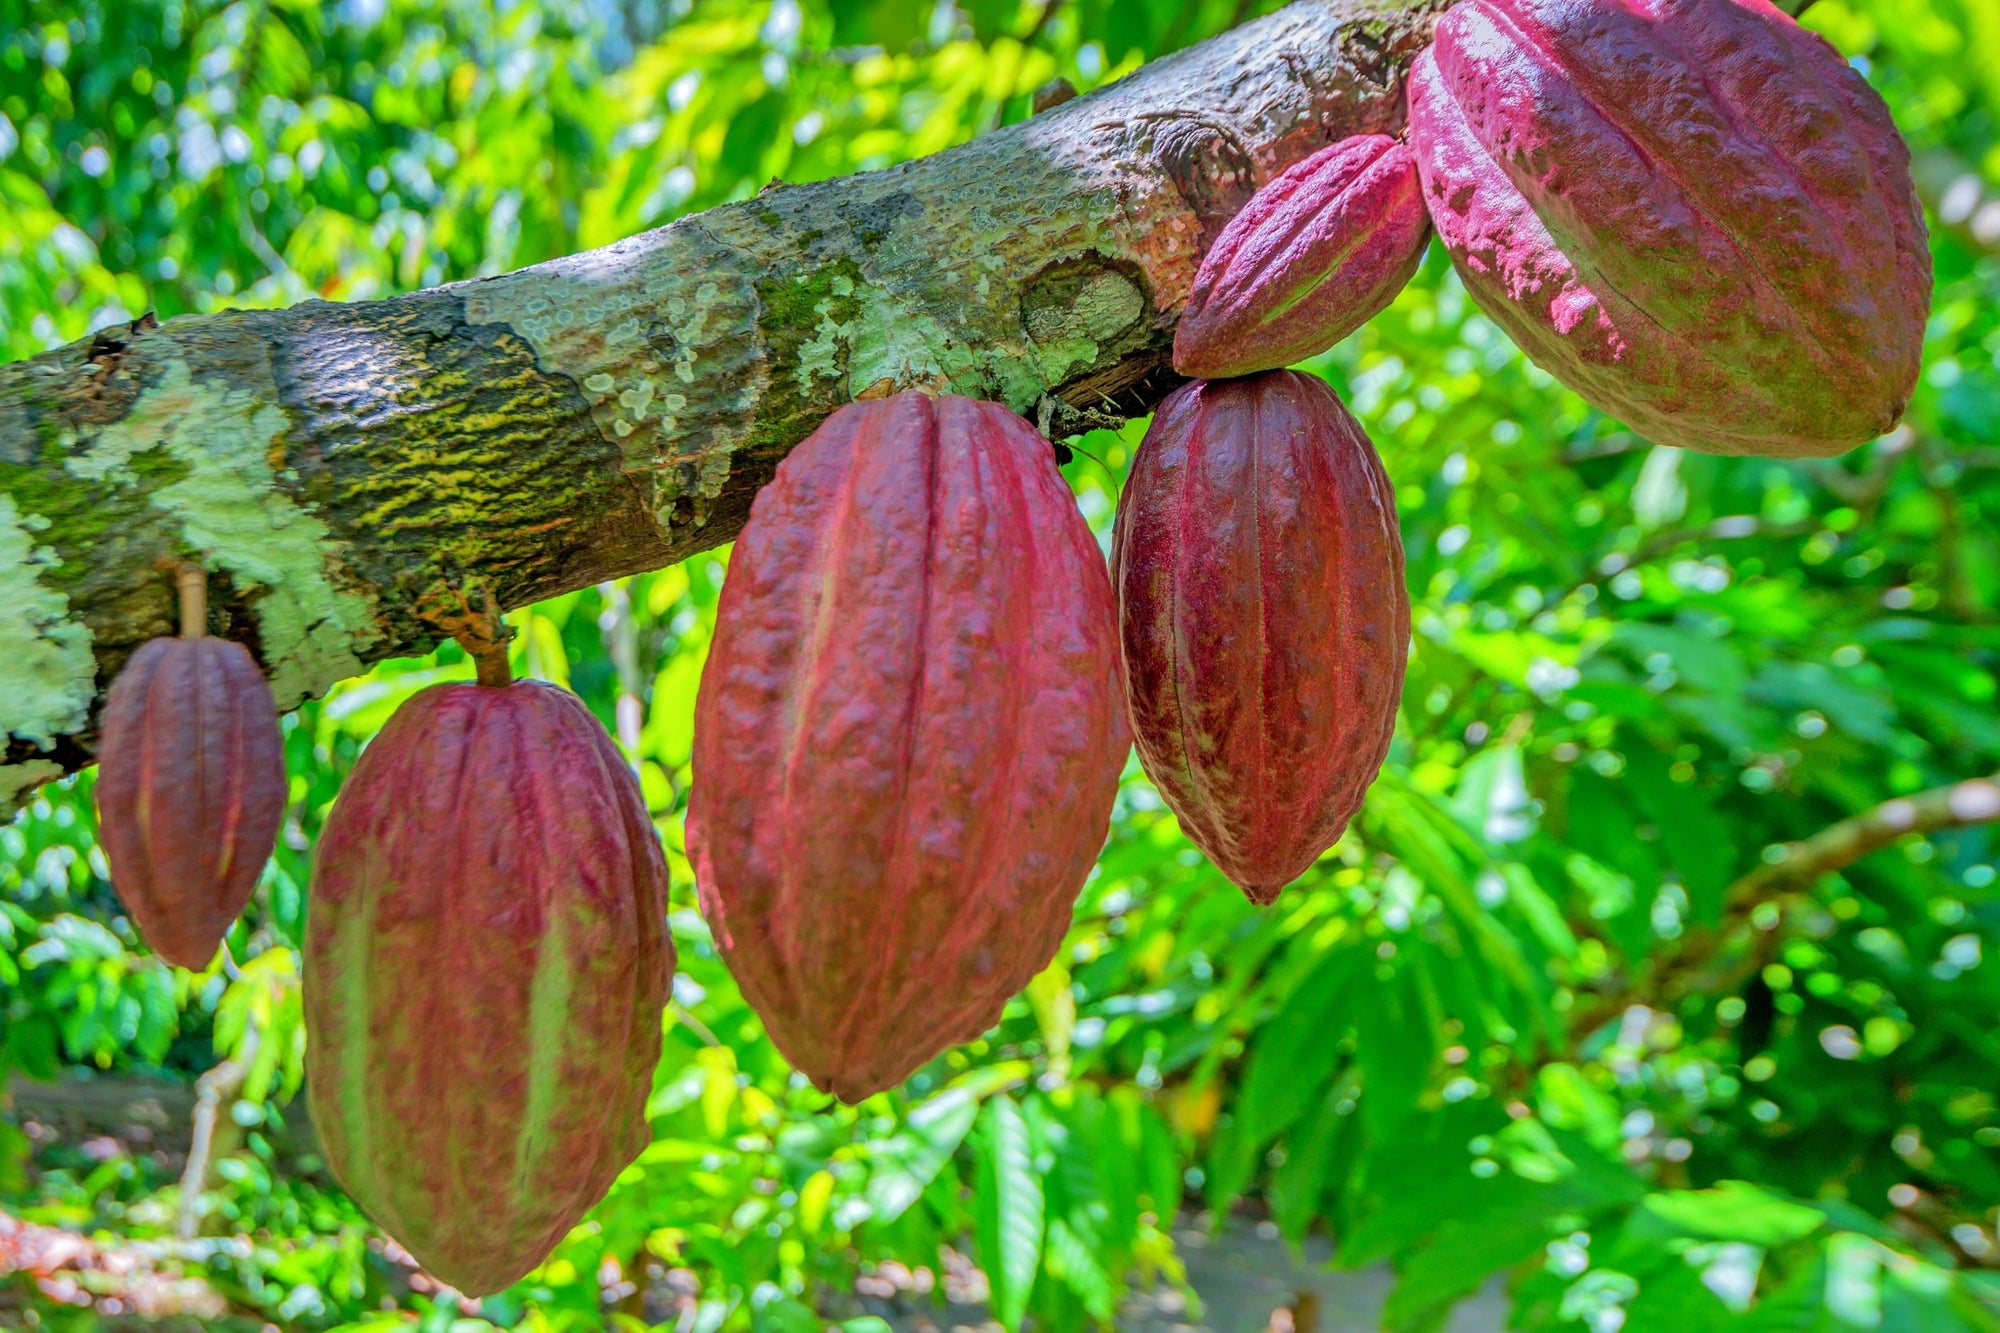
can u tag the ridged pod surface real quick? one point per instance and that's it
(190, 790)
(1692, 212)
(486, 961)
(1263, 618)
(907, 737)
(1312, 257)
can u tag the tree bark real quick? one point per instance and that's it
(338, 467)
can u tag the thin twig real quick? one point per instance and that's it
(692, 1024)
(212, 1090)
(1974, 801)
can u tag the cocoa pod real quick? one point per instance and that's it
(1262, 616)
(1694, 213)
(190, 790)
(907, 738)
(1312, 257)
(486, 961)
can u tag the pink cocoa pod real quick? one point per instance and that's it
(1694, 213)
(1263, 618)
(1311, 258)
(190, 790)
(908, 735)
(486, 959)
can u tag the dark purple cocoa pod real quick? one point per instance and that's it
(190, 790)
(1694, 213)
(908, 735)
(1263, 618)
(486, 960)
(1311, 258)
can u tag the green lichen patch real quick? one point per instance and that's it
(823, 302)
(46, 688)
(1078, 310)
(228, 509)
(78, 517)
(17, 780)
(806, 322)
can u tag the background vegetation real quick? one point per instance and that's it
(1529, 1018)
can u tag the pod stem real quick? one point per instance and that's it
(192, 581)
(491, 658)
(480, 630)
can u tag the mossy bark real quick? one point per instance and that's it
(335, 466)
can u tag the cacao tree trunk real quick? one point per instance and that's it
(339, 468)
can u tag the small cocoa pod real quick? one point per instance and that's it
(1312, 257)
(1694, 213)
(486, 961)
(190, 790)
(1263, 618)
(908, 736)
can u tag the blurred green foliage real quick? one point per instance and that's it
(1515, 1024)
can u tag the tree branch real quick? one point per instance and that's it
(1974, 801)
(615, 411)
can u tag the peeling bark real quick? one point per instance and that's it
(335, 465)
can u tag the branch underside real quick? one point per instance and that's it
(334, 466)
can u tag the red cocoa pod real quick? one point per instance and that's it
(486, 961)
(190, 790)
(1694, 213)
(907, 738)
(1312, 257)
(1262, 616)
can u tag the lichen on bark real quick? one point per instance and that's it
(228, 513)
(45, 690)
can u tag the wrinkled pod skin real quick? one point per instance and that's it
(486, 961)
(1694, 213)
(190, 790)
(1263, 618)
(907, 738)
(1312, 257)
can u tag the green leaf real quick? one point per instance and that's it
(1736, 1210)
(747, 144)
(1311, 1159)
(894, 24)
(1007, 1207)
(1565, 1099)
(907, 1163)
(30, 1046)
(785, 1315)
(16, 1149)
(1396, 1049)
(1114, 1144)
(1697, 841)
(1498, 1224)
(1164, 1177)
(1297, 1050)
(1074, 1259)
(992, 18)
